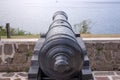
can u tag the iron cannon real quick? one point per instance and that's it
(61, 54)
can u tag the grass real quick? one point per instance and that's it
(22, 37)
(100, 35)
(82, 35)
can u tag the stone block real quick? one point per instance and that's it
(17, 79)
(88, 45)
(117, 57)
(91, 52)
(8, 74)
(103, 67)
(14, 67)
(99, 46)
(3, 67)
(0, 49)
(8, 50)
(23, 74)
(5, 79)
(102, 78)
(22, 47)
(99, 57)
(116, 77)
(116, 67)
(118, 45)
(118, 73)
(104, 73)
(108, 54)
(0, 60)
(111, 46)
(29, 59)
(26, 78)
(19, 58)
(107, 46)
(9, 60)
(31, 47)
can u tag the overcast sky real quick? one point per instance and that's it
(45, 3)
(34, 15)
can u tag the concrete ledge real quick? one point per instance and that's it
(35, 39)
(98, 75)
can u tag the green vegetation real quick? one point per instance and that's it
(14, 31)
(83, 27)
(2, 31)
(100, 35)
(23, 37)
(28, 54)
(17, 33)
(82, 35)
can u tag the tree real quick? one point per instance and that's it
(13, 31)
(83, 27)
(3, 31)
(21, 32)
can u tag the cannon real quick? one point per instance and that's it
(60, 54)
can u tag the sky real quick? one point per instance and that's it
(36, 15)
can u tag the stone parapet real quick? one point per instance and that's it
(103, 54)
(15, 56)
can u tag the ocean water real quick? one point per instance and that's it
(36, 17)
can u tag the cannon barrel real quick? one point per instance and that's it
(60, 57)
(60, 54)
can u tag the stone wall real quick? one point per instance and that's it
(15, 56)
(104, 55)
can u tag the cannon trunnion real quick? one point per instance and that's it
(61, 55)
